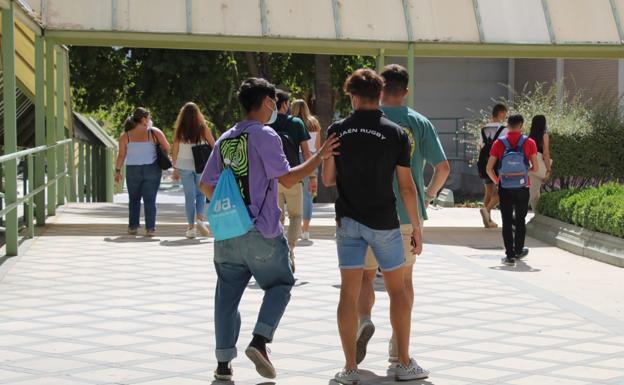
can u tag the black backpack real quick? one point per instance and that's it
(484, 153)
(291, 149)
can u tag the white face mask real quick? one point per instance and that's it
(273, 117)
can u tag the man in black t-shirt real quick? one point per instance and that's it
(372, 149)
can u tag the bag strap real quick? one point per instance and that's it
(506, 144)
(157, 142)
(483, 137)
(498, 132)
(266, 194)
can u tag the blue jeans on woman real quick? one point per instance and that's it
(143, 182)
(236, 261)
(307, 196)
(194, 199)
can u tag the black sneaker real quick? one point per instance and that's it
(223, 372)
(260, 358)
(523, 253)
(507, 261)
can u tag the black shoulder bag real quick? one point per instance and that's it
(161, 156)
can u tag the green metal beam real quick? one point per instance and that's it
(337, 19)
(332, 46)
(60, 124)
(551, 30)
(264, 24)
(411, 70)
(618, 22)
(189, 16)
(29, 212)
(40, 134)
(50, 125)
(478, 20)
(10, 127)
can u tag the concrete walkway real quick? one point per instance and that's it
(86, 304)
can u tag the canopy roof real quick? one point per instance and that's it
(582, 28)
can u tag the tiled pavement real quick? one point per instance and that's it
(86, 305)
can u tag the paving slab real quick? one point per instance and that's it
(87, 304)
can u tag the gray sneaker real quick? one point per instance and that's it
(412, 371)
(348, 377)
(365, 332)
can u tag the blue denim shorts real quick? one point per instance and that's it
(354, 238)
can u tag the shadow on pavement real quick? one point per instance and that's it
(369, 378)
(186, 242)
(521, 267)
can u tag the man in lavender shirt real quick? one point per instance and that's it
(255, 152)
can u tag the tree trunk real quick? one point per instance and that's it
(252, 64)
(324, 110)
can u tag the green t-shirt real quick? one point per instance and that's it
(425, 147)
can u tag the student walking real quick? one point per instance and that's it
(294, 136)
(191, 130)
(492, 131)
(372, 150)
(516, 155)
(254, 154)
(300, 109)
(425, 147)
(137, 148)
(539, 133)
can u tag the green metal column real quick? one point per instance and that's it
(381, 60)
(10, 126)
(60, 124)
(95, 188)
(110, 177)
(50, 126)
(410, 70)
(28, 213)
(72, 171)
(81, 172)
(40, 134)
(88, 181)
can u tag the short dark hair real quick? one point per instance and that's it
(364, 83)
(498, 108)
(515, 120)
(396, 79)
(282, 97)
(252, 92)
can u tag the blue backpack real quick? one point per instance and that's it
(513, 169)
(227, 212)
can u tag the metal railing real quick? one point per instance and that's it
(453, 137)
(29, 193)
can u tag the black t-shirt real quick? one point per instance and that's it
(371, 146)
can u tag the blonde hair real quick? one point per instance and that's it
(300, 109)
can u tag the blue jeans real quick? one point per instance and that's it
(236, 261)
(142, 182)
(353, 239)
(194, 199)
(307, 200)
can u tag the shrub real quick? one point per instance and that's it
(597, 209)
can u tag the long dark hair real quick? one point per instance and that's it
(136, 117)
(538, 129)
(190, 126)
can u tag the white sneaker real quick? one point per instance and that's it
(365, 332)
(393, 351)
(348, 377)
(305, 239)
(191, 233)
(412, 371)
(204, 231)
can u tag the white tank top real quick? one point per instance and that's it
(185, 159)
(312, 142)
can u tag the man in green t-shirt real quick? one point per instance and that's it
(425, 148)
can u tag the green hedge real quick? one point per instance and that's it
(598, 209)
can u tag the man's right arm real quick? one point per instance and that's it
(296, 174)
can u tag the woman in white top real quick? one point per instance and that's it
(300, 109)
(191, 129)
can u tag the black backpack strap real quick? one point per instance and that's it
(266, 194)
(498, 132)
(483, 137)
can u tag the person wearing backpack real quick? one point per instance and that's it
(514, 156)
(249, 156)
(492, 131)
(294, 136)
